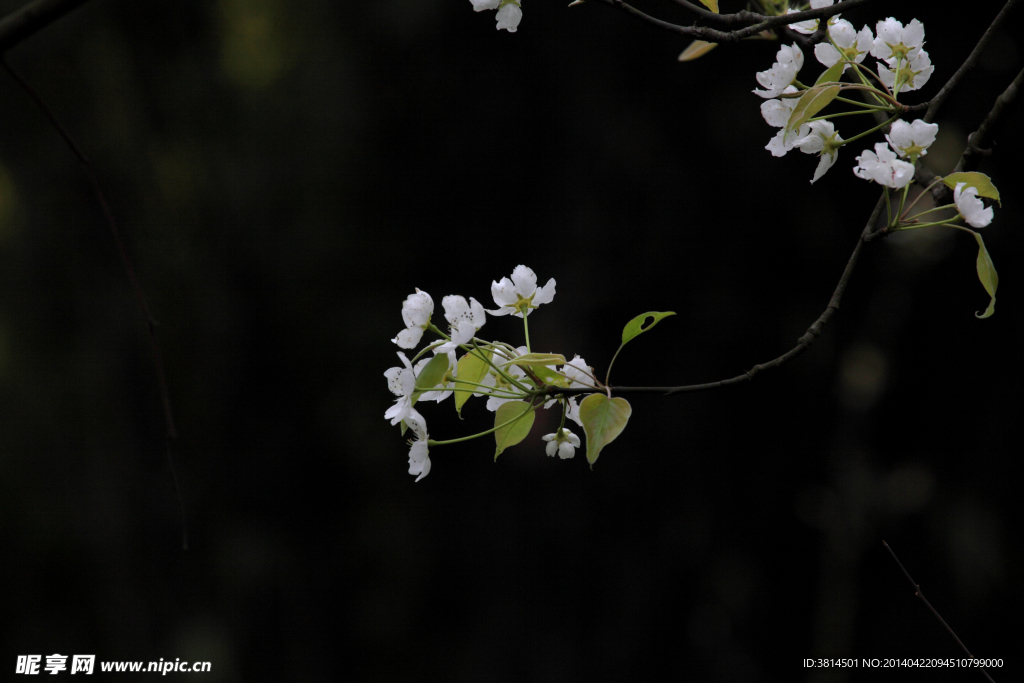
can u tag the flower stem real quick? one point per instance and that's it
(518, 417)
(526, 327)
(872, 130)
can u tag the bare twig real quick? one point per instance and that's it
(978, 143)
(918, 593)
(751, 22)
(151, 323)
(22, 23)
(936, 102)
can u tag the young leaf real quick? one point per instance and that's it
(431, 374)
(523, 415)
(831, 74)
(978, 180)
(987, 275)
(810, 103)
(636, 327)
(697, 48)
(471, 368)
(550, 377)
(542, 359)
(711, 5)
(603, 420)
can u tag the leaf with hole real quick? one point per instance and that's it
(636, 326)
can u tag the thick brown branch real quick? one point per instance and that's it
(33, 17)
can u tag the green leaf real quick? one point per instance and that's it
(810, 103)
(603, 420)
(711, 5)
(831, 74)
(471, 368)
(550, 377)
(520, 416)
(987, 275)
(542, 359)
(432, 374)
(697, 48)
(636, 327)
(978, 180)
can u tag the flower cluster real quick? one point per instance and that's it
(503, 373)
(903, 65)
(509, 12)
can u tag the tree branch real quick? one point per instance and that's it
(752, 22)
(936, 102)
(978, 143)
(813, 332)
(935, 612)
(33, 17)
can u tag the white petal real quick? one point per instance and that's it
(409, 337)
(827, 54)
(503, 293)
(825, 163)
(417, 308)
(525, 281)
(545, 294)
(481, 5)
(509, 17)
(913, 34)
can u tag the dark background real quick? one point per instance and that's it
(285, 173)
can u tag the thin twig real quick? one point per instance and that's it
(940, 97)
(869, 234)
(27, 20)
(752, 23)
(978, 143)
(151, 323)
(918, 593)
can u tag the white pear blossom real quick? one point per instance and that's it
(912, 139)
(419, 458)
(822, 139)
(907, 75)
(416, 311)
(499, 383)
(512, 295)
(777, 113)
(402, 383)
(893, 42)
(846, 44)
(446, 384)
(562, 442)
(465, 318)
(580, 375)
(970, 206)
(788, 62)
(883, 167)
(811, 25)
